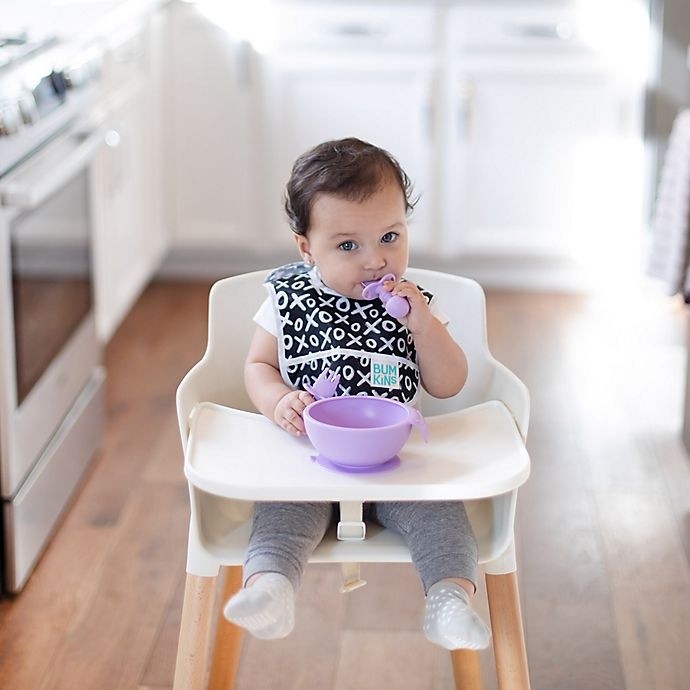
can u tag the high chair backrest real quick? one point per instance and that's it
(219, 378)
(462, 301)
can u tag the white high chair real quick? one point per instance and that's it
(234, 456)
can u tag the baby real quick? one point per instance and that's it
(348, 203)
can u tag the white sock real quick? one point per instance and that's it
(266, 608)
(450, 622)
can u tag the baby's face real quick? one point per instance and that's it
(351, 241)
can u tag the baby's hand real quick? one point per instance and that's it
(288, 411)
(419, 317)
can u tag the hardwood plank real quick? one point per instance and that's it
(393, 599)
(160, 665)
(122, 621)
(55, 598)
(307, 658)
(654, 629)
(640, 535)
(673, 461)
(398, 659)
(165, 463)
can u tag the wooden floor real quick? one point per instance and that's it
(603, 524)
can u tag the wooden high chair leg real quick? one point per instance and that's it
(228, 640)
(506, 628)
(195, 633)
(466, 670)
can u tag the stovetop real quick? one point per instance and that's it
(19, 46)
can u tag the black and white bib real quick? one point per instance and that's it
(319, 329)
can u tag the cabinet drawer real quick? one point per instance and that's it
(524, 28)
(354, 27)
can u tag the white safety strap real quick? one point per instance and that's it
(351, 528)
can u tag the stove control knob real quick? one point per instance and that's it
(27, 108)
(10, 119)
(57, 79)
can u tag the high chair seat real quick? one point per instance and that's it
(234, 456)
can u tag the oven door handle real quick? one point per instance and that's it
(41, 178)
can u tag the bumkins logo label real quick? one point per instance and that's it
(385, 374)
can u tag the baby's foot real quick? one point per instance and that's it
(450, 622)
(266, 609)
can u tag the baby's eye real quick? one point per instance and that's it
(389, 237)
(347, 246)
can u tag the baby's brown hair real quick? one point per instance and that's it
(348, 168)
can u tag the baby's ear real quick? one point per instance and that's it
(303, 247)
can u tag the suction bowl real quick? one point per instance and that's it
(360, 431)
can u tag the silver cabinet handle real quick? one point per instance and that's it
(465, 107)
(563, 31)
(354, 30)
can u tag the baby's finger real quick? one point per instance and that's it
(292, 414)
(297, 426)
(292, 429)
(292, 423)
(412, 294)
(405, 287)
(305, 398)
(298, 406)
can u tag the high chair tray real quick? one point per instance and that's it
(472, 453)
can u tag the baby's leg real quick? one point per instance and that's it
(444, 551)
(283, 537)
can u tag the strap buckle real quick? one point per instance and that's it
(351, 530)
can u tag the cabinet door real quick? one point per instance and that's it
(213, 134)
(128, 188)
(121, 190)
(544, 161)
(382, 101)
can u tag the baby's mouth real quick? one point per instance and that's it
(376, 278)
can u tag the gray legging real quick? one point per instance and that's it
(438, 535)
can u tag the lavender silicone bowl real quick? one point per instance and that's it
(360, 431)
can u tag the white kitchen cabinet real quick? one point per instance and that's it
(131, 236)
(534, 167)
(544, 158)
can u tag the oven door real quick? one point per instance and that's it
(48, 346)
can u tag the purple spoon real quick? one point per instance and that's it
(396, 306)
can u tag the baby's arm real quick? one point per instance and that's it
(442, 363)
(266, 387)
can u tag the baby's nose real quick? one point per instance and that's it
(375, 260)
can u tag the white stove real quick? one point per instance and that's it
(51, 379)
